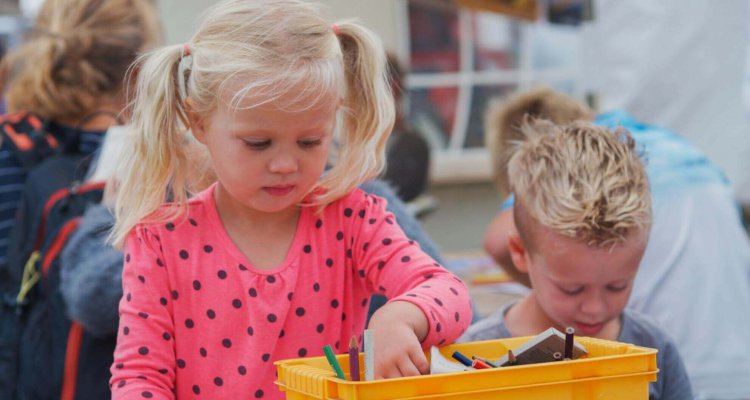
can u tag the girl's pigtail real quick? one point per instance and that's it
(157, 169)
(369, 111)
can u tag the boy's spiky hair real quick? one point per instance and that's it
(580, 180)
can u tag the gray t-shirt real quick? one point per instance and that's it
(672, 380)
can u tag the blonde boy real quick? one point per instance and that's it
(582, 214)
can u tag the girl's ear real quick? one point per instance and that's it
(518, 252)
(197, 124)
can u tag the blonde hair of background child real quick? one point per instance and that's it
(78, 53)
(580, 180)
(504, 118)
(254, 50)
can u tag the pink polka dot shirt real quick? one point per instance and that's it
(199, 321)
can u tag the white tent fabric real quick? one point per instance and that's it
(678, 64)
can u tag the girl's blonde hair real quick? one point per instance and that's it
(504, 118)
(78, 53)
(260, 51)
(580, 180)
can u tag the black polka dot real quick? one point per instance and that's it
(189, 323)
(146, 394)
(361, 213)
(211, 314)
(119, 365)
(299, 311)
(438, 327)
(361, 273)
(252, 292)
(163, 301)
(184, 254)
(365, 246)
(226, 343)
(203, 352)
(237, 303)
(387, 241)
(454, 291)
(405, 259)
(175, 295)
(271, 279)
(282, 333)
(258, 393)
(389, 221)
(364, 302)
(121, 384)
(334, 303)
(265, 357)
(127, 257)
(242, 370)
(180, 363)
(329, 262)
(456, 316)
(441, 342)
(320, 328)
(197, 285)
(218, 381)
(166, 335)
(242, 267)
(428, 275)
(159, 262)
(143, 350)
(381, 264)
(316, 286)
(349, 253)
(169, 226)
(318, 224)
(336, 345)
(343, 316)
(222, 274)
(307, 249)
(196, 389)
(126, 331)
(143, 315)
(438, 302)
(348, 212)
(340, 235)
(381, 288)
(129, 297)
(289, 296)
(192, 222)
(302, 352)
(411, 295)
(372, 221)
(163, 371)
(208, 248)
(271, 317)
(250, 330)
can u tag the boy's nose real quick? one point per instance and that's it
(594, 305)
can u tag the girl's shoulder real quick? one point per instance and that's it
(198, 211)
(356, 201)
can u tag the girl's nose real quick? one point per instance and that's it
(283, 163)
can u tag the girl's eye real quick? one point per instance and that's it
(572, 292)
(309, 143)
(257, 144)
(620, 288)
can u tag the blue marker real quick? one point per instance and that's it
(461, 358)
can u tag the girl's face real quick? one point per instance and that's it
(266, 158)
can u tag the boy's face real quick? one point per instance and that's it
(578, 285)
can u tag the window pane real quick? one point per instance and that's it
(432, 113)
(496, 42)
(433, 31)
(480, 98)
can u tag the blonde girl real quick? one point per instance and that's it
(276, 259)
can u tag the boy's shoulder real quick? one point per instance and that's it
(642, 330)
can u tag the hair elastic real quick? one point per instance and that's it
(186, 63)
(335, 29)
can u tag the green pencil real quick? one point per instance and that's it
(334, 362)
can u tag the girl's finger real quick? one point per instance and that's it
(419, 360)
(407, 367)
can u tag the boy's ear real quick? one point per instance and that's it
(518, 253)
(197, 125)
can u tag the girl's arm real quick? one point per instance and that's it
(426, 300)
(145, 346)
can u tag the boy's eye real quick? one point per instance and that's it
(572, 292)
(617, 288)
(308, 143)
(257, 144)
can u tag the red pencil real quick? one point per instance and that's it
(353, 359)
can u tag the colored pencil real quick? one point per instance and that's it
(353, 359)
(334, 362)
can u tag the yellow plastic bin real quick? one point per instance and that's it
(612, 370)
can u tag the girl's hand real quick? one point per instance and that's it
(398, 328)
